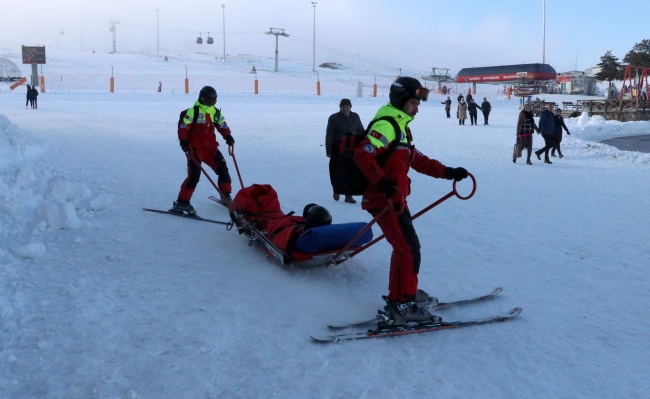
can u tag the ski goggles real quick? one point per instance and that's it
(422, 94)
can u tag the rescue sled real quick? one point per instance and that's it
(255, 212)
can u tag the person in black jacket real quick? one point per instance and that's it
(29, 97)
(469, 97)
(473, 113)
(547, 129)
(486, 108)
(338, 125)
(559, 124)
(34, 97)
(447, 106)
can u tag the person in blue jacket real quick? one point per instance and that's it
(547, 129)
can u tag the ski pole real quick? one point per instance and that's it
(191, 157)
(423, 211)
(231, 152)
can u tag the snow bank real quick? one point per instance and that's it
(34, 200)
(588, 132)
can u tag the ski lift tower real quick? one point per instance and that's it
(112, 30)
(277, 32)
(440, 75)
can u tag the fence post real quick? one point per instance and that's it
(317, 84)
(112, 83)
(42, 83)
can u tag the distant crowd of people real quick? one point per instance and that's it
(469, 106)
(550, 127)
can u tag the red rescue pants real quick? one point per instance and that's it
(405, 260)
(213, 159)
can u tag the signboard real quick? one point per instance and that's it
(563, 79)
(33, 54)
(521, 74)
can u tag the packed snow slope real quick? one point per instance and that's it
(104, 300)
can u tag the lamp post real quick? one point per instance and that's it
(157, 32)
(577, 52)
(223, 8)
(313, 3)
(544, 33)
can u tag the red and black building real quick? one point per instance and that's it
(507, 73)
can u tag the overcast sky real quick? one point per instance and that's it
(411, 34)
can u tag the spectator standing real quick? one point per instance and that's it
(338, 125)
(159, 87)
(547, 128)
(34, 97)
(469, 97)
(525, 128)
(29, 97)
(473, 113)
(460, 97)
(559, 125)
(447, 106)
(462, 111)
(486, 107)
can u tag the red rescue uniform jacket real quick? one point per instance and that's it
(200, 135)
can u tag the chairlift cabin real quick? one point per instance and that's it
(210, 40)
(199, 40)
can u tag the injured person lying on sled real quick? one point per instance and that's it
(308, 240)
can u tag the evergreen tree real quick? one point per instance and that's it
(610, 68)
(639, 55)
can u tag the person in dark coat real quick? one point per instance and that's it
(469, 97)
(525, 128)
(547, 129)
(486, 107)
(29, 97)
(473, 113)
(559, 125)
(34, 97)
(338, 125)
(447, 106)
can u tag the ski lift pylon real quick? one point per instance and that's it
(199, 40)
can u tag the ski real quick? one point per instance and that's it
(195, 217)
(440, 305)
(382, 332)
(219, 201)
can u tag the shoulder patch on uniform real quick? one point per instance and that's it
(369, 148)
(402, 137)
(189, 118)
(224, 126)
(375, 134)
(182, 126)
(201, 116)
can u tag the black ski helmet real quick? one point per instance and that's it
(405, 88)
(316, 215)
(206, 95)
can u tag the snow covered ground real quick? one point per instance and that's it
(99, 299)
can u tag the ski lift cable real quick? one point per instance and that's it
(187, 31)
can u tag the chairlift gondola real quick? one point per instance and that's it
(199, 40)
(210, 40)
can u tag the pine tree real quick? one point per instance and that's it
(610, 68)
(639, 55)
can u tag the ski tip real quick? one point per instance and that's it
(496, 291)
(515, 311)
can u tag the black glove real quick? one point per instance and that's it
(387, 187)
(184, 145)
(457, 174)
(229, 140)
(568, 133)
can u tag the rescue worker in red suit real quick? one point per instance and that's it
(199, 142)
(385, 160)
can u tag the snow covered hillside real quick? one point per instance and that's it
(99, 299)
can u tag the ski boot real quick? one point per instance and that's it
(181, 207)
(424, 300)
(401, 313)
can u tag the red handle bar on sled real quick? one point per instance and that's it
(347, 246)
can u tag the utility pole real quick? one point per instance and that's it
(223, 8)
(112, 29)
(313, 3)
(277, 32)
(577, 60)
(544, 33)
(82, 35)
(157, 32)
